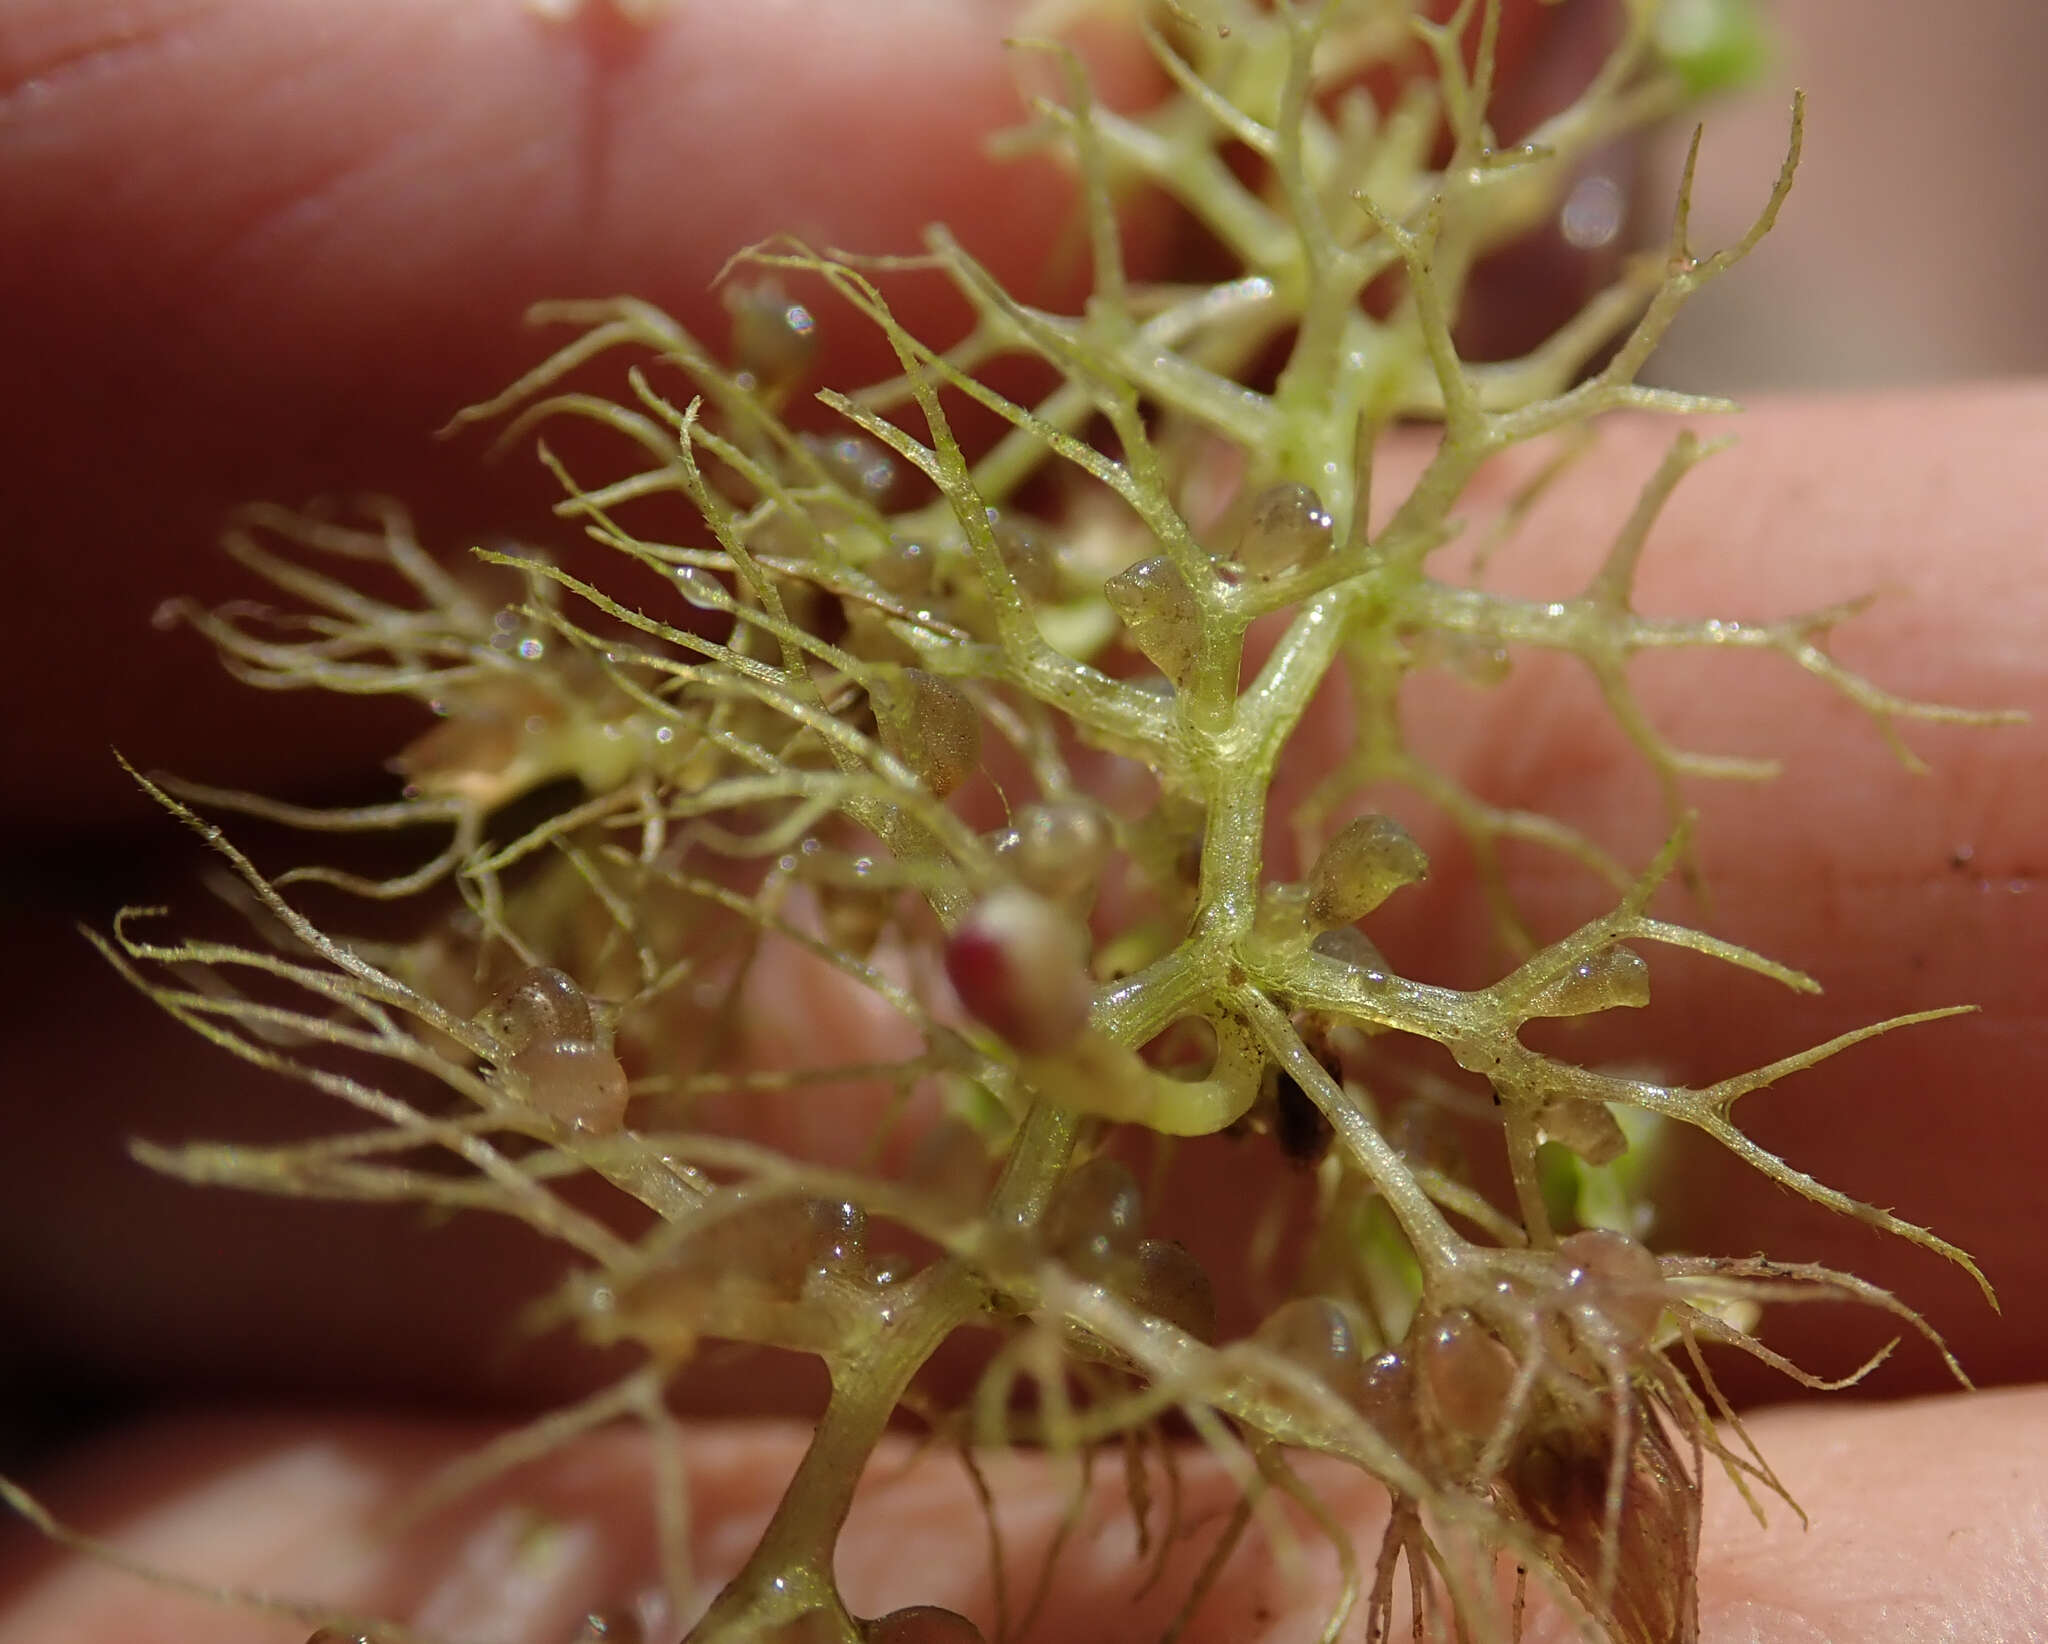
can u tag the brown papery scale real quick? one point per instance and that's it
(1468, 1373)
(1091, 1222)
(540, 1003)
(930, 725)
(1613, 977)
(1156, 606)
(1617, 1281)
(1365, 862)
(1557, 1480)
(1163, 1279)
(1058, 849)
(1288, 527)
(774, 338)
(922, 1624)
(577, 1081)
(1018, 963)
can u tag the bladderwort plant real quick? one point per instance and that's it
(986, 732)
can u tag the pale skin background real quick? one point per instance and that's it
(259, 248)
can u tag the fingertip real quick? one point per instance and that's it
(1921, 1519)
(1895, 891)
(275, 249)
(304, 1512)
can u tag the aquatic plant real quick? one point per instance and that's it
(970, 704)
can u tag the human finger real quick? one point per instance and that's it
(1895, 891)
(1923, 1520)
(267, 252)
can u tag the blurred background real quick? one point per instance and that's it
(1914, 245)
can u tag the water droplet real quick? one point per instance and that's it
(839, 1231)
(1469, 1374)
(1092, 1221)
(1288, 527)
(1593, 212)
(539, 1003)
(1058, 849)
(774, 339)
(1321, 1335)
(700, 588)
(1621, 1287)
(1616, 977)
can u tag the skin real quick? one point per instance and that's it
(280, 292)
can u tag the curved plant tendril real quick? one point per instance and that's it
(968, 732)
